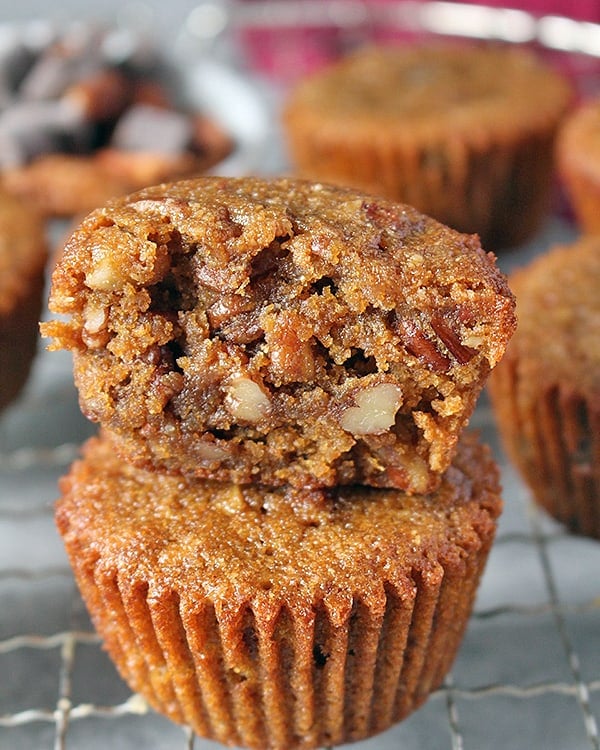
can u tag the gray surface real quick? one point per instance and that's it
(527, 675)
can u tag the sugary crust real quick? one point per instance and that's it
(463, 133)
(546, 392)
(279, 331)
(578, 159)
(278, 618)
(23, 252)
(276, 544)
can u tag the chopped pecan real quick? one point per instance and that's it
(234, 317)
(376, 212)
(374, 410)
(448, 335)
(417, 343)
(227, 307)
(246, 400)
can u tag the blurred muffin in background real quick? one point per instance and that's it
(546, 391)
(464, 133)
(91, 113)
(23, 253)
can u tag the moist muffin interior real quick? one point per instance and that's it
(23, 254)
(245, 323)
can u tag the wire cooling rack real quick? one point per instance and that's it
(527, 676)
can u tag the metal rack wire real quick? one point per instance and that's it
(527, 674)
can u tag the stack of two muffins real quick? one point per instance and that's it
(279, 531)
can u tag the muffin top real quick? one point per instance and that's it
(23, 249)
(558, 309)
(237, 544)
(470, 87)
(234, 231)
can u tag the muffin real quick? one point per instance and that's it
(578, 158)
(463, 133)
(546, 392)
(278, 618)
(23, 251)
(279, 331)
(89, 112)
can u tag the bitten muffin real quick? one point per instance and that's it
(23, 252)
(278, 618)
(578, 157)
(463, 133)
(279, 331)
(546, 392)
(89, 112)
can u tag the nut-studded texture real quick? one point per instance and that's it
(462, 132)
(279, 331)
(278, 618)
(546, 392)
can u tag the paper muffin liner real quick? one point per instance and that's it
(278, 663)
(266, 675)
(498, 187)
(555, 443)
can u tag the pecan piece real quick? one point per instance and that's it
(448, 336)
(246, 400)
(373, 411)
(417, 343)
(378, 213)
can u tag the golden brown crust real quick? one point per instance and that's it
(279, 331)
(278, 617)
(463, 133)
(23, 251)
(546, 392)
(578, 159)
